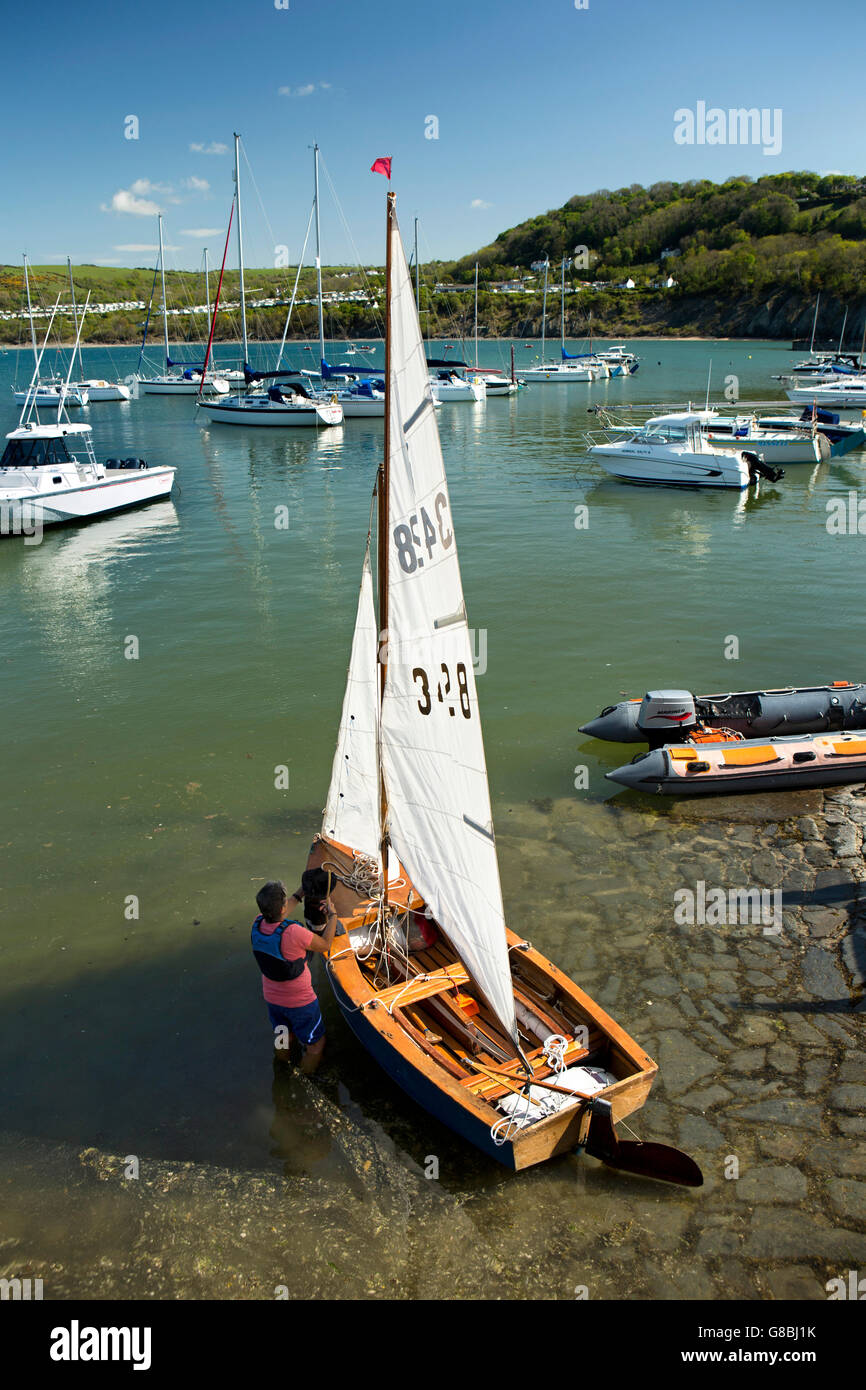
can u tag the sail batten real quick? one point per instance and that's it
(439, 819)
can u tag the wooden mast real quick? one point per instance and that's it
(383, 491)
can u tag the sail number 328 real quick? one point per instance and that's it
(408, 541)
(443, 690)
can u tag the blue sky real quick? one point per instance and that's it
(535, 102)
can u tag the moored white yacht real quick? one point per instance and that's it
(673, 450)
(187, 380)
(279, 407)
(450, 386)
(620, 362)
(49, 395)
(846, 393)
(100, 390)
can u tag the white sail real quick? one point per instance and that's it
(439, 817)
(352, 815)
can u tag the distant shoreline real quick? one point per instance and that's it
(304, 342)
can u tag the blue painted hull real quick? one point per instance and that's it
(418, 1087)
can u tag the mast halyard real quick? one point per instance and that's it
(243, 297)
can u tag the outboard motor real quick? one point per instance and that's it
(667, 716)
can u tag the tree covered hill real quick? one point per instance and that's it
(784, 230)
(747, 256)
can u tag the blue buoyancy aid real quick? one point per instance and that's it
(267, 949)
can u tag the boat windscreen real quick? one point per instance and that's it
(35, 453)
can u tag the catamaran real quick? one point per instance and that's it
(470, 1019)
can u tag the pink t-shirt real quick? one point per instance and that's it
(294, 944)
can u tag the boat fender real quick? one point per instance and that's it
(532, 1024)
(268, 953)
(317, 885)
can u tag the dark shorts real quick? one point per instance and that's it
(306, 1022)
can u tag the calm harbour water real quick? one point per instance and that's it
(155, 777)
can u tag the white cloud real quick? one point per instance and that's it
(215, 147)
(480, 203)
(306, 90)
(145, 246)
(124, 200)
(140, 198)
(201, 231)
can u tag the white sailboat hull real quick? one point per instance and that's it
(181, 386)
(846, 396)
(556, 375)
(105, 390)
(805, 449)
(459, 391)
(310, 415)
(50, 397)
(356, 407)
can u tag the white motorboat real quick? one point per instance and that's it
(51, 395)
(449, 386)
(281, 407)
(620, 362)
(44, 483)
(673, 450)
(846, 393)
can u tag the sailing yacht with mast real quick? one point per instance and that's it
(188, 380)
(570, 368)
(96, 387)
(275, 406)
(45, 394)
(472, 1021)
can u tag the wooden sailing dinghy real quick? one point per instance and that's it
(460, 1011)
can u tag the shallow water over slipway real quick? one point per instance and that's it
(145, 1038)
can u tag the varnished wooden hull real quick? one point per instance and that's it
(445, 1093)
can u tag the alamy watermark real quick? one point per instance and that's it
(736, 126)
(729, 907)
(21, 519)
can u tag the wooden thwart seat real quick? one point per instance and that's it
(410, 992)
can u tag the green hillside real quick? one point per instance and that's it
(748, 258)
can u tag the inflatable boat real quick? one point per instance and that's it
(673, 716)
(747, 765)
